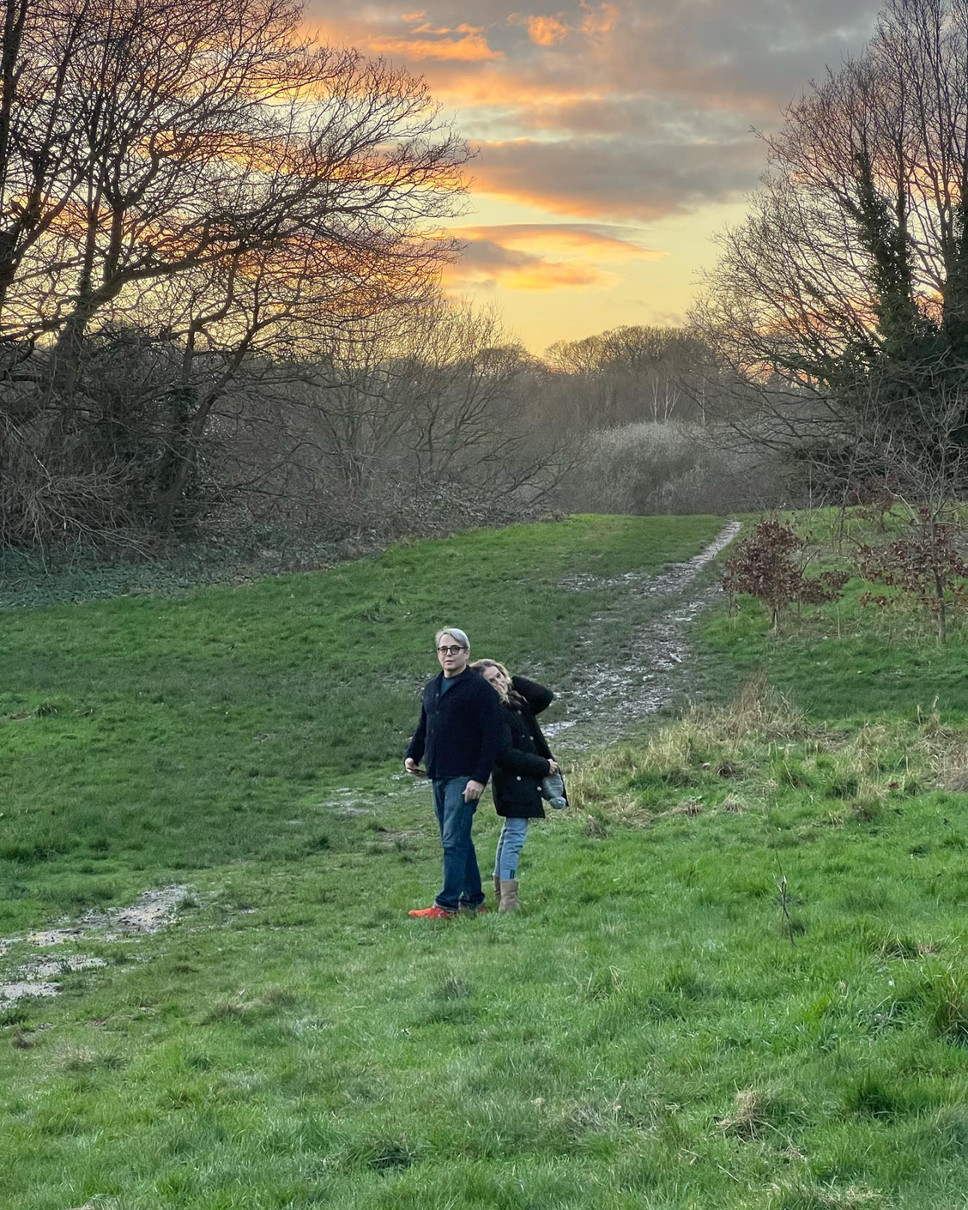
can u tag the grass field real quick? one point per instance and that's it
(740, 979)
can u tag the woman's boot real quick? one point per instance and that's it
(497, 887)
(509, 895)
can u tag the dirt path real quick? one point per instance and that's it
(647, 670)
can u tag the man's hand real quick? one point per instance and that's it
(411, 765)
(473, 790)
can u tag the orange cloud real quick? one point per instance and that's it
(512, 255)
(490, 88)
(600, 20)
(427, 28)
(472, 48)
(546, 31)
(483, 265)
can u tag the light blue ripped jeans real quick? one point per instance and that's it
(509, 846)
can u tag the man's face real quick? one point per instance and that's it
(451, 655)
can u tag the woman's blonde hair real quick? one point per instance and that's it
(502, 690)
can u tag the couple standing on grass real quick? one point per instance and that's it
(477, 719)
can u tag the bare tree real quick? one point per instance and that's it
(630, 374)
(206, 173)
(843, 298)
(397, 411)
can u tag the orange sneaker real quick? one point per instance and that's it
(467, 910)
(432, 913)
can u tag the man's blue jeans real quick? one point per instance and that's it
(462, 875)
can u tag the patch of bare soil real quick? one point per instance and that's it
(38, 975)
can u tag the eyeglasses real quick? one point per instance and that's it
(450, 650)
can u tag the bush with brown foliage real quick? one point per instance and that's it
(768, 565)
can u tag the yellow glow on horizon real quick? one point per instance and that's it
(658, 288)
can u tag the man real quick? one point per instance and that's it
(460, 733)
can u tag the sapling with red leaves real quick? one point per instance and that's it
(769, 566)
(927, 565)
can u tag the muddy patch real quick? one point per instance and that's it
(38, 975)
(611, 696)
(347, 801)
(152, 912)
(9, 992)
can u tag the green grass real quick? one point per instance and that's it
(140, 735)
(654, 1030)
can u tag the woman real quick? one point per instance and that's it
(516, 781)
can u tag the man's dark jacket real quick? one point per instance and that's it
(461, 731)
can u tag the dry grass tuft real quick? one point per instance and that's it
(750, 1116)
(757, 710)
(708, 736)
(825, 1197)
(732, 805)
(948, 760)
(627, 810)
(595, 828)
(688, 806)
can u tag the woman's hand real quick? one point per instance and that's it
(553, 766)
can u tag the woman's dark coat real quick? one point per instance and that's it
(523, 760)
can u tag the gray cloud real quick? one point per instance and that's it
(644, 113)
(623, 180)
(486, 262)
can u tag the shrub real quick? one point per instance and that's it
(768, 565)
(926, 566)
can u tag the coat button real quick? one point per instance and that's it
(518, 777)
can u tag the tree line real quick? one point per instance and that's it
(221, 246)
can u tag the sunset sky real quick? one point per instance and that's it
(613, 137)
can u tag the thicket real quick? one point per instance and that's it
(219, 261)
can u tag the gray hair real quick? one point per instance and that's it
(455, 633)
